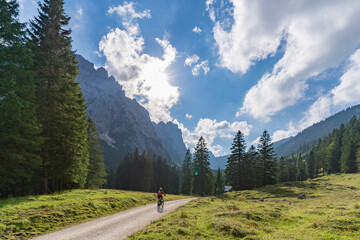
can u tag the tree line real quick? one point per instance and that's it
(245, 169)
(339, 152)
(145, 172)
(47, 143)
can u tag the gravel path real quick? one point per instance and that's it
(117, 226)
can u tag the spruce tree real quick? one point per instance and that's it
(19, 128)
(335, 152)
(310, 164)
(283, 170)
(349, 148)
(219, 186)
(202, 176)
(234, 168)
(267, 159)
(96, 171)
(301, 168)
(186, 174)
(61, 106)
(256, 169)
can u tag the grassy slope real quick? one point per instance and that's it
(330, 211)
(25, 217)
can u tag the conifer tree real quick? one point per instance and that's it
(283, 170)
(219, 183)
(186, 174)
(334, 150)
(96, 170)
(19, 128)
(202, 177)
(301, 168)
(310, 164)
(267, 159)
(234, 168)
(256, 169)
(349, 148)
(61, 106)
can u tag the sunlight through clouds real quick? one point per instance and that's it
(141, 75)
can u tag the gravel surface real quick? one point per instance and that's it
(117, 226)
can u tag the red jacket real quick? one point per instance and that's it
(160, 193)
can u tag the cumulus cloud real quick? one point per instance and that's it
(348, 91)
(317, 36)
(345, 94)
(211, 129)
(191, 60)
(141, 75)
(197, 30)
(188, 116)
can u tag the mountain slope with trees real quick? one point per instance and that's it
(309, 136)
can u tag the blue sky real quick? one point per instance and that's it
(218, 66)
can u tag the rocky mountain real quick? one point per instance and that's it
(305, 139)
(218, 162)
(123, 124)
(172, 140)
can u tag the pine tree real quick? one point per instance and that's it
(256, 169)
(202, 178)
(310, 164)
(96, 171)
(301, 168)
(267, 159)
(19, 128)
(349, 148)
(334, 150)
(234, 168)
(61, 106)
(186, 174)
(219, 186)
(283, 170)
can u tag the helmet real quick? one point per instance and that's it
(160, 188)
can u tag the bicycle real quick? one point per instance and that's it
(160, 204)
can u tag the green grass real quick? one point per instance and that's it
(330, 211)
(26, 217)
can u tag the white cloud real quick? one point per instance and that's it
(348, 91)
(210, 9)
(345, 94)
(211, 129)
(141, 75)
(188, 116)
(128, 12)
(317, 36)
(191, 60)
(80, 11)
(204, 65)
(281, 134)
(197, 30)
(195, 71)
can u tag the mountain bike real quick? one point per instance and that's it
(160, 203)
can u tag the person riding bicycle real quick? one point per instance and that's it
(160, 194)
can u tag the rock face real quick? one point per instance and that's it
(172, 140)
(123, 124)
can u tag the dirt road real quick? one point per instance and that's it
(117, 226)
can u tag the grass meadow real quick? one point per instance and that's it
(331, 210)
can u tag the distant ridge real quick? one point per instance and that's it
(303, 140)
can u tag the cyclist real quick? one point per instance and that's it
(160, 194)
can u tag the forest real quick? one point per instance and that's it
(47, 143)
